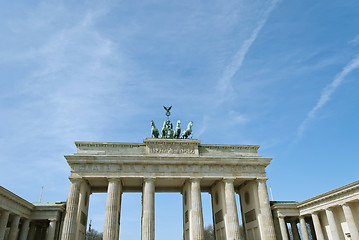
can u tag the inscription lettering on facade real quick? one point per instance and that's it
(189, 147)
(173, 150)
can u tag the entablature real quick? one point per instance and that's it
(15, 204)
(166, 147)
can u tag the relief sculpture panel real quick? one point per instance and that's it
(165, 147)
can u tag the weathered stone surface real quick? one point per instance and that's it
(324, 213)
(174, 158)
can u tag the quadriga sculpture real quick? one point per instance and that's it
(188, 132)
(178, 130)
(164, 130)
(154, 131)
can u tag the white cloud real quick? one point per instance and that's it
(224, 84)
(75, 75)
(73, 81)
(327, 93)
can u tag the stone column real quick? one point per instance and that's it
(14, 228)
(283, 228)
(295, 233)
(266, 225)
(32, 231)
(303, 228)
(317, 227)
(3, 223)
(111, 227)
(43, 232)
(148, 210)
(332, 224)
(350, 221)
(70, 227)
(24, 230)
(232, 223)
(51, 230)
(196, 218)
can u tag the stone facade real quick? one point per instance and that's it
(21, 220)
(170, 165)
(331, 216)
(188, 167)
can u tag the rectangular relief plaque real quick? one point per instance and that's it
(219, 216)
(165, 147)
(250, 216)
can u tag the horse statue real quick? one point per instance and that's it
(164, 130)
(154, 130)
(169, 129)
(188, 132)
(178, 130)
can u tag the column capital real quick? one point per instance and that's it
(149, 179)
(261, 179)
(5, 214)
(195, 179)
(281, 216)
(75, 180)
(315, 213)
(301, 216)
(329, 209)
(347, 204)
(113, 179)
(228, 180)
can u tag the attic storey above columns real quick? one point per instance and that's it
(170, 161)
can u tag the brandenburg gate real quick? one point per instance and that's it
(171, 165)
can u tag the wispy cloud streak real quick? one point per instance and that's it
(237, 61)
(327, 93)
(355, 40)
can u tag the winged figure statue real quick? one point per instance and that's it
(167, 110)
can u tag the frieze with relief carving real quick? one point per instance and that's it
(171, 147)
(175, 149)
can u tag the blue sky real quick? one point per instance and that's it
(280, 74)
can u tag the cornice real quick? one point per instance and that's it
(108, 144)
(331, 194)
(72, 159)
(164, 141)
(224, 146)
(15, 198)
(171, 141)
